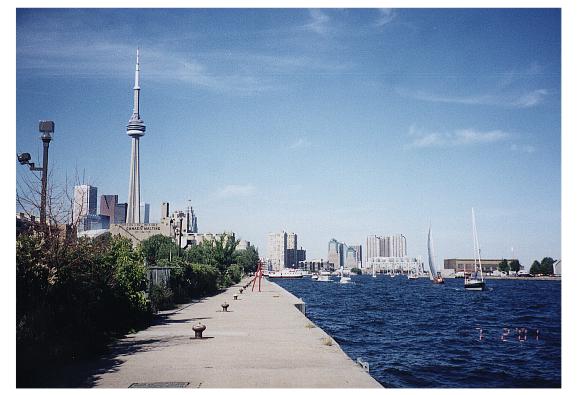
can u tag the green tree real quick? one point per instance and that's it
(159, 247)
(247, 259)
(504, 266)
(515, 265)
(547, 266)
(356, 270)
(535, 268)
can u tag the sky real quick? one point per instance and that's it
(330, 123)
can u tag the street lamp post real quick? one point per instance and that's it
(46, 128)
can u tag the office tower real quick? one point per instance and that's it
(145, 209)
(107, 206)
(84, 202)
(120, 213)
(358, 254)
(335, 253)
(350, 257)
(191, 221)
(135, 129)
(291, 251)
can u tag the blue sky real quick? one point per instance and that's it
(328, 123)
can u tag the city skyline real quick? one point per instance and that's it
(330, 136)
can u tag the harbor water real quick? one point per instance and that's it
(415, 334)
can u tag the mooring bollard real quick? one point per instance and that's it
(225, 306)
(235, 296)
(241, 291)
(199, 328)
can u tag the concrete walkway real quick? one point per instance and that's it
(264, 341)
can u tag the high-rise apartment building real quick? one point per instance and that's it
(277, 250)
(84, 202)
(385, 246)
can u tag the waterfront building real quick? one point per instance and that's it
(107, 206)
(395, 264)
(335, 253)
(135, 129)
(385, 246)
(358, 254)
(120, 213)
(467, 265)
(145, 209)
(316, 265)
(351, 259)
(277, 250)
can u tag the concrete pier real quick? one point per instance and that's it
(262, 342)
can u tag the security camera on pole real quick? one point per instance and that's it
(46, 128)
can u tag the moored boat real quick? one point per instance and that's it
(286, 274)
(475, 281)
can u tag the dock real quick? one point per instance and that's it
(263, 341)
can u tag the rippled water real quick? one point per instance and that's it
(416, 334)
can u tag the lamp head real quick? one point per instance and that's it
(24, 158)
(46, 128)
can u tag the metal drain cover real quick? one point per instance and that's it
(161, 384)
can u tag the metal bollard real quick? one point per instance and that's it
(199, 328)
(241, 291)
(225, 306)
(235, 296)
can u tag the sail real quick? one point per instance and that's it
(430, 254)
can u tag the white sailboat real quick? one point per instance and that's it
(434, 276)
(475, 281)
(373, 269)
(343, 278)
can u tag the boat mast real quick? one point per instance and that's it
(477, 255)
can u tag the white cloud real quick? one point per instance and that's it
(386, 15)
(319, 21)
(234, 191)
(460, 137)
(301, 142)
(526, 100)
(531, 99)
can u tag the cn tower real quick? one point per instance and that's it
(135, 129)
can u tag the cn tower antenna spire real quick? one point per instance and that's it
(135, 129)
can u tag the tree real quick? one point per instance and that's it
(504, 266)
(547, 266)
(535, 268)
(158, 247)
(247, 259)
(356, 270)
(515, 265)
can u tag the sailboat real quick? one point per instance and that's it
(343, 278)
(437, 277)
(475, 281)
(373, 269)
